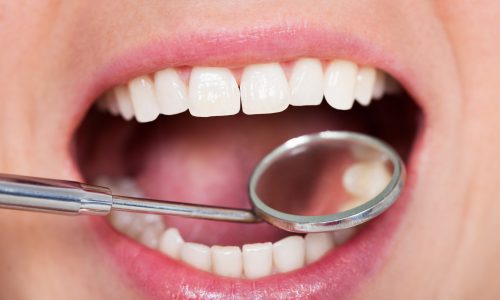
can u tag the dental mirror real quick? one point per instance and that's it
(313, 183)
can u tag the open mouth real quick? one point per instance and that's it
(193, 133)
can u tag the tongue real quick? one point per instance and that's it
(209, 161)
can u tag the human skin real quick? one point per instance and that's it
(446, 244)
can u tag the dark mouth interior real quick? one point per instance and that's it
(209, 160)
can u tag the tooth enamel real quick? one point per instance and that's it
(289, 254)
(340, 80)
(111, 104)
(171, 92)
(379, 86)
(196, 255)
(171, 242)
(317, 244)
(121, 220)
(365, 81)
(124, 102)
(143, 99)
(366, 180)
(257, 260)
(306, 82)
(264, 89)
(227, 261)
(213, 92)
(351, 204)
(342, 236)
(149, 237)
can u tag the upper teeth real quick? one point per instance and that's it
(263, 88)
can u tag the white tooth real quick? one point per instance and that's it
(351, 204)
(111, 104)
(342, 236)
(149, 237)
(135, 228)
(171, 92)
(264, 89)
(257, 260)
(340, 80)
(196, 255)
(306, 82)
(143, 99)
(171, 242)
(227, 261)
(121, 220)
(379, 87)
(365, 81)
(213, 92)
(317, 244)
(124, 102)
(365, 180)
(289, 254)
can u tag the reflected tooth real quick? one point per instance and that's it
(171, 242)
(171, 92)
(317, 245)
(342, 236)
(196, 255)
(257, 260)
(365, 180)
(351, 204)
(379, 86)
(227, 261)
(213, 92)
(340, 80)
(124, 102)
(264, 89)
(289, 253)
(365, 81)
(306, 82)
(143, 99)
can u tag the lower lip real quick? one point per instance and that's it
(337, 275)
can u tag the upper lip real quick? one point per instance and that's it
(339, 271)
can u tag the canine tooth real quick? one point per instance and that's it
(213, 92)
(264, 89)
(124, 102)
(257, 260)
(379, 86)
(342, 236)
(196, 255)
(289, 253)
(306, 82)
(366, 180)
(171, 242)
(143, 99)
(365, 80)
(171, 92)
(317, 244)
(227, 261)
(340, 80)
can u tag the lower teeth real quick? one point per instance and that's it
(251, 261)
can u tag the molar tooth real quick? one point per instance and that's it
(213, 92)
(196, 255)
(143, 99)
(264, 89)
(121, 220)
(171, 242)
(306, 82)
(364, 85)
(171, 92)
(317, 244)
(227, 261)
(342, 236)
(257, 260)
(340, 80)
(124, 102)
(365, 180)
(289, 254)
(379, 86)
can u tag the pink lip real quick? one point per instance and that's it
(335, 276)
